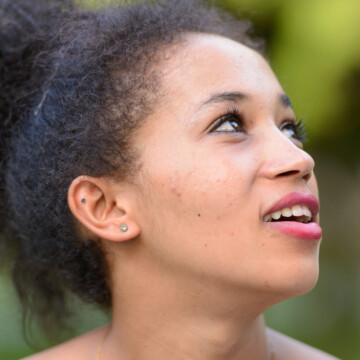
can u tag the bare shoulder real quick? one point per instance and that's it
(289, 348)
(83, 347)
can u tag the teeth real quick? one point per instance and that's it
(286, 212)
(296, 211)
(276, 215)
(306, 211)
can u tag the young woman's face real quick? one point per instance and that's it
(219, 153)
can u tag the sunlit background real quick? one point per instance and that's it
(313, 46)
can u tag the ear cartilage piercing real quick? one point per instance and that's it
(83, 200)
(123, 227)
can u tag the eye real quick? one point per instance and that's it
(294, 130)
(232, 122)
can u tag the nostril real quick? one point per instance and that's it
(289, 173)
(307, 176)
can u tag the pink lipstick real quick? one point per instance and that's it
(295, 215)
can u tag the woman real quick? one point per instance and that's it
(155, 168)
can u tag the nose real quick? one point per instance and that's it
(283, 158)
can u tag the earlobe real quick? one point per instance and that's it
(96, 204)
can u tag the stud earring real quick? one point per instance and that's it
(123, 227)
(83, 200)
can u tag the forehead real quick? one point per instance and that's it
(205, 64)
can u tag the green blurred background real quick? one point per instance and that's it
(313, 46)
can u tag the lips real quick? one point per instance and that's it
(296, 198)
(296, 228)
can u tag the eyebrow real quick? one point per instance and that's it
(239, 96)
(224, 97)
(285, 100)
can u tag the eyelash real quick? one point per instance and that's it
(298, 127)
(231, 113)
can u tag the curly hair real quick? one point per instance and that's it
(75, 84)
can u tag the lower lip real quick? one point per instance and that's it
(311, 231)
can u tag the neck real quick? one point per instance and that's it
(186, 340)
(163, 318)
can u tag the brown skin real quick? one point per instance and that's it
(198, 266)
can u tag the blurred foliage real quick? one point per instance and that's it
(313, 46)
(314, 50)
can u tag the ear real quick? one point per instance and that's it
(103, 206)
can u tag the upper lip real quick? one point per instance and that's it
(296, 198)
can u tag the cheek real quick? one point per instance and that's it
(199, 208)
(202, 186)
(201, 202)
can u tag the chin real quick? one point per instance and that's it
(299, 279)
(291, 279)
